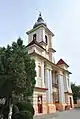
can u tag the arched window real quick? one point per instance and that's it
(34, 37)
(46, 39)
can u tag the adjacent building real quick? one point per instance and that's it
(52, 90)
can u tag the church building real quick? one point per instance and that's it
(52, 90)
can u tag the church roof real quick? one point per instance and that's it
(39, 21)
(61, 61)
(35, 42)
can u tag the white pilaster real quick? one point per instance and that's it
(67, 82)
(61, 88)
(47, 83)
(51, 97)
(42, 72)
(36, 68)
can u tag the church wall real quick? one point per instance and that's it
(45, 54)
(40, 80)
(46, 78)
(31, 50)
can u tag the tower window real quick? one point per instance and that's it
(46, 39)
(34, 37)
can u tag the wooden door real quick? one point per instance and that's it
(70, 102)
(40, 104)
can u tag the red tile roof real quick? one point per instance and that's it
(61, 61)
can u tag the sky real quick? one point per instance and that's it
(62, 18)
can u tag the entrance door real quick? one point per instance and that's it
(40, 104)
(70, 102)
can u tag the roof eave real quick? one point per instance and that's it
(33, 46)
(39, 27)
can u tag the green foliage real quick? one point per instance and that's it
(17, 79)
(25, 106)
(23, 115)
(5, 111)
(17, 71)
(15, 109)
(23, 110)
(76, 91)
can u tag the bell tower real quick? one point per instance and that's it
(42, 35)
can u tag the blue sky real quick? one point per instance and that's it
(61, 16)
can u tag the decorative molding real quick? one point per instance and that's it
(67, 92)
(58, 73)
(42, 43)
(40, 88)
(47, 30)
(52, 50)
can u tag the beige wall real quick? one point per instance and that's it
(35, 101)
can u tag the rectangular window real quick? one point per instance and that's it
(39, 71)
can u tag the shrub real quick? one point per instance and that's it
(15, 110)
(25, 107)
(5, 111)
(23, 115)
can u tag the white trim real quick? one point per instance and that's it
(47, 30)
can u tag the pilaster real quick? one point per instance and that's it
(47, 82)
(36, 68)
(61, 88)
(51, 86)
(42, 72)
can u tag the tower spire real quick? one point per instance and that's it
(39, 13)
(39, 21)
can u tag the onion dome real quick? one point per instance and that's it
(39, 21)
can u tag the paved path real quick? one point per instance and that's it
(47, 116)
(70, 114)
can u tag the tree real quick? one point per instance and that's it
(76, 92)
(17, 72)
